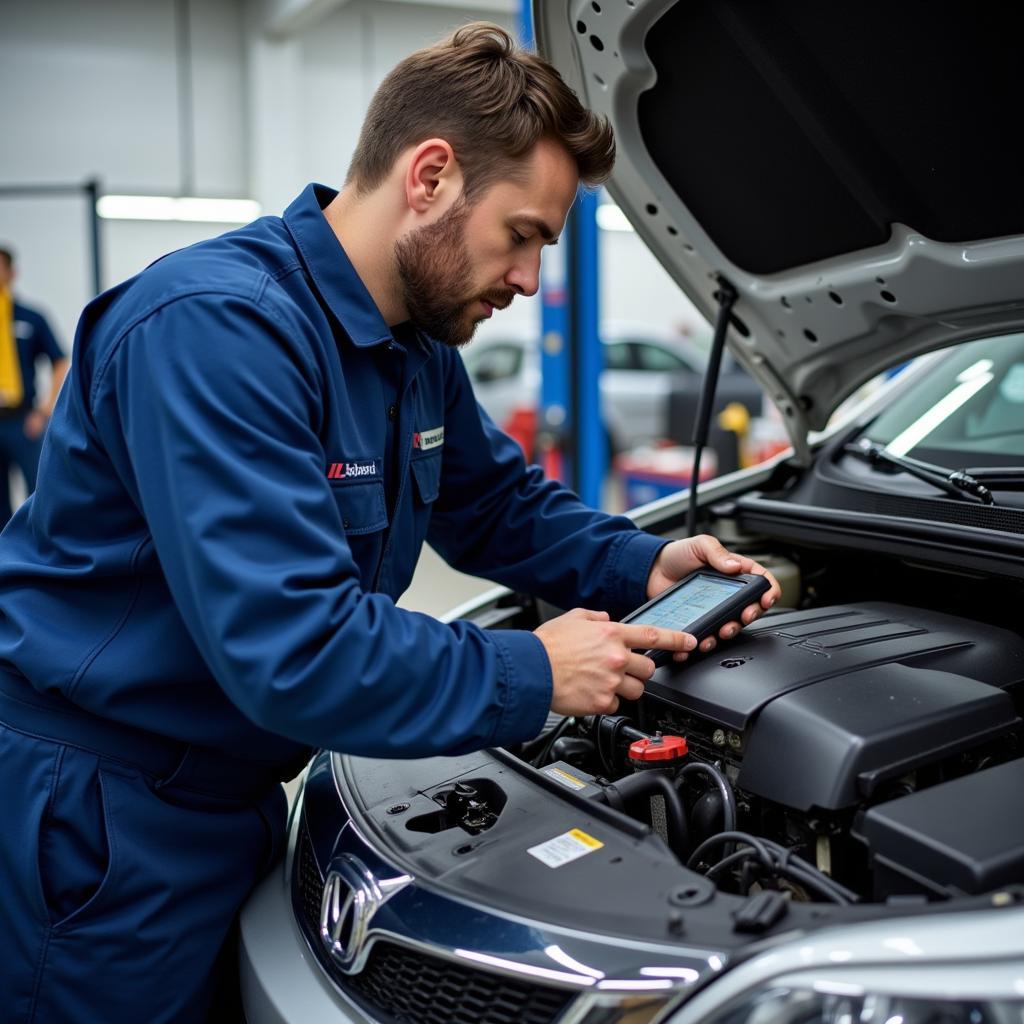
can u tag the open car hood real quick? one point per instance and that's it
(853, 170)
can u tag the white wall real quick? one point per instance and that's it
(93, 90)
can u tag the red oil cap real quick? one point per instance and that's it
(658, 749)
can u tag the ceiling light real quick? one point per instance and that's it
(611, 218)
(181, 208)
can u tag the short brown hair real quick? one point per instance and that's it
(491, 99)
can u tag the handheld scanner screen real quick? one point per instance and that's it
(688, 603)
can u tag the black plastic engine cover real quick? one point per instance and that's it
(832, 701)
(964, 836)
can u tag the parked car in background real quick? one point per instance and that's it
(842, 836)
(640, 363)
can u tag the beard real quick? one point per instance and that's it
(434, 265)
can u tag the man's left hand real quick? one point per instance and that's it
(682, 557)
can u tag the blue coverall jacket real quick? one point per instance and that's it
(236, 485)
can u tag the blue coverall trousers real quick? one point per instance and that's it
(23, 451)
(119, 889)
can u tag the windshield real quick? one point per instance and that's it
(969, 410)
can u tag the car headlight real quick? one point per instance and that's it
(979, 993)
(939, 968)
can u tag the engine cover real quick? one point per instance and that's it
(832, 701)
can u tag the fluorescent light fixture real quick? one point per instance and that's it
(611, 218)
(183, 208)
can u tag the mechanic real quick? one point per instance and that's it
(25, 338)
(257, 435)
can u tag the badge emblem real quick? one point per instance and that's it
(352, 895)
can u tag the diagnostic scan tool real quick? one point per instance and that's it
(700, 604)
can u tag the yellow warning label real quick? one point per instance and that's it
(565, 778)
(565, 848)
(594, 844)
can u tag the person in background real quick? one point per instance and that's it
(25, 338)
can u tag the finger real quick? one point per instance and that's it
(640, 666)
(657, 639)
(589, 613)
(630, 688)
(719, 557)
(680, 656)
(708, 644)
(750, 613)
(774, 591)
(771, 596)
(729, 630)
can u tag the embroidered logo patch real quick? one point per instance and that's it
(356, 470)
(424, 439)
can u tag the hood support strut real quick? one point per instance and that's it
(725, 296)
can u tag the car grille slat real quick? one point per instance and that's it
(407, 985)
(310, 882)
(414, 987)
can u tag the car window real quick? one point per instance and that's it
(655, 359)
(617, 356)
(494, 363)
(970, 406)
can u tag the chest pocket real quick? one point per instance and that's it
(426, 472)
(362, 507)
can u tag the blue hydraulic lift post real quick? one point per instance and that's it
(571, 353)
(588, 422)
(553, 416)
(553, 411)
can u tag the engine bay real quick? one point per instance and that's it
(837, 760)
(852, 753)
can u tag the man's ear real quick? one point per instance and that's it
(433, 178)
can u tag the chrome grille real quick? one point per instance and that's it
(402, 985)
(309, 882)
(413, 987)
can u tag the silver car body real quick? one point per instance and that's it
(641, 362)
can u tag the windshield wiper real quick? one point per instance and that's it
(956, 482)
(1003, 478)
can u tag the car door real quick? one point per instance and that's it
(497, 371)
(634, 388)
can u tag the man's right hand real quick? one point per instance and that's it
(594, 660)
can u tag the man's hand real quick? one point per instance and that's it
(594, 660)
(682, 557)
(35, 424)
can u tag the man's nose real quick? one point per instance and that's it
(524, 277)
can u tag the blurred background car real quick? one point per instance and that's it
(640, 362)
(650, 390)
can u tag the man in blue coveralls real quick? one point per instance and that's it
(25, 338)
(256, 437)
